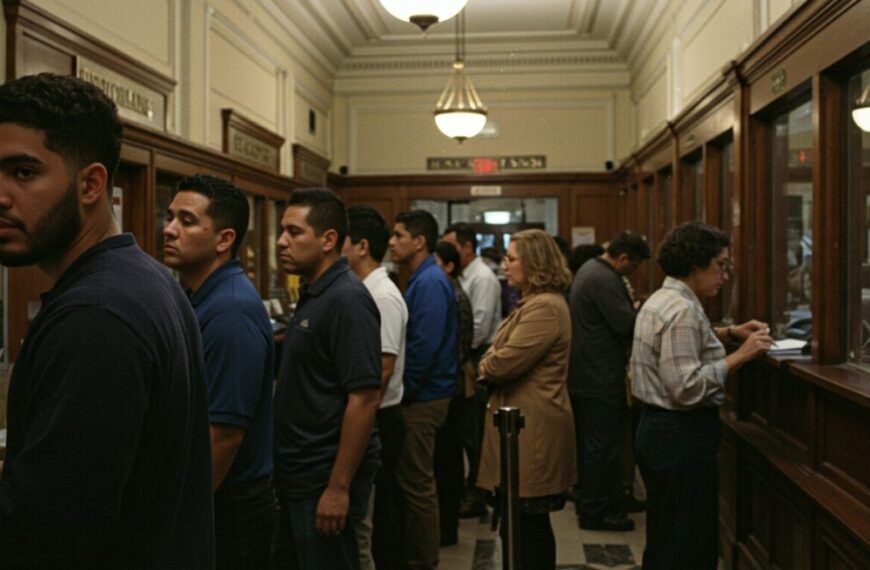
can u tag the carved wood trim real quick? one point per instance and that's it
(309, 168)
(25, 18)
(234, 124)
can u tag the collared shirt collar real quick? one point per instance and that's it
(113, 242)
(225, 271)
(378, 274)
(326, 278)
(683, 289)
(428, 262)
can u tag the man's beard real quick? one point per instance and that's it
(52, 235)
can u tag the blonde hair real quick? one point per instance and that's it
(543, 264)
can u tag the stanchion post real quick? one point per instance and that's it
(509, 422)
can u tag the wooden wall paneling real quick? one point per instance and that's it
(844, 446)
(791, 536)
(836, 549)
(132, 179)
(756, 237)
(830, 196)
(728, 461)
(790, 412)
(809, 40)
(759, 392)
(756, 509)
(742, 249)
(685, 209)
(712, 212)
(662, 210)
(135, 176)
(645, 210)
(596, 207)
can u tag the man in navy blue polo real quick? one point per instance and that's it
(326, 454)
(430, 379)
(205, 224)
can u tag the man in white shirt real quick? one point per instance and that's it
(483, 289)
(365, 247)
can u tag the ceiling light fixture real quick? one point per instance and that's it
(423, 13)
(459, 113)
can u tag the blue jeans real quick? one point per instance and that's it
(297, 544)
(676, 452)
(244, 516)
(603, 421)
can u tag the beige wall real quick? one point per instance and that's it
(244, 55)
(687, 49)
(577, 130)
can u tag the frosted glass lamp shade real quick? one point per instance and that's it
(423, 13)
(460, 125)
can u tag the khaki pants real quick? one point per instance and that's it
(417, 479)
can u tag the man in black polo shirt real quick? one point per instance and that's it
(107, 462)
(326, 454)
(205, 224)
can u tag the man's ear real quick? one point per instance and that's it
(330, 241)
(364, 250)
(92, 182)
(226, 239)
(419, 242)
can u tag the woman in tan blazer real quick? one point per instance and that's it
(527, 367)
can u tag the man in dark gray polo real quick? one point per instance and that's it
(602, 320)
(326, 454)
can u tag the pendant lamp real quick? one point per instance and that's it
(423, 13)
(459, 113)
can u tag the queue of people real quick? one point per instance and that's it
(144, 431)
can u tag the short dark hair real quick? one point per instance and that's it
(80, 123)
(366, 223)
(227, 205)
(632, 244)
(420, 223)
(464, 234)
(583, 253)
(448, 253)
(690, 245)
(327, 210)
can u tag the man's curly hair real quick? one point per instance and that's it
(80, 123)
(690, 245)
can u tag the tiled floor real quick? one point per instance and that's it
(576, 549)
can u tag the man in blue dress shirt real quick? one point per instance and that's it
(430, 378)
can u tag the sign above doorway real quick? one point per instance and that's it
(489, 164)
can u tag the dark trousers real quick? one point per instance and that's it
(676, 452)
(244, 515)
(600, 479)
(449, 469)
(298, 546)
(388, 516)
(578, 444)
(474, 417)
(537, 542)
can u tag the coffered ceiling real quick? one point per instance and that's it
(359, 36)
